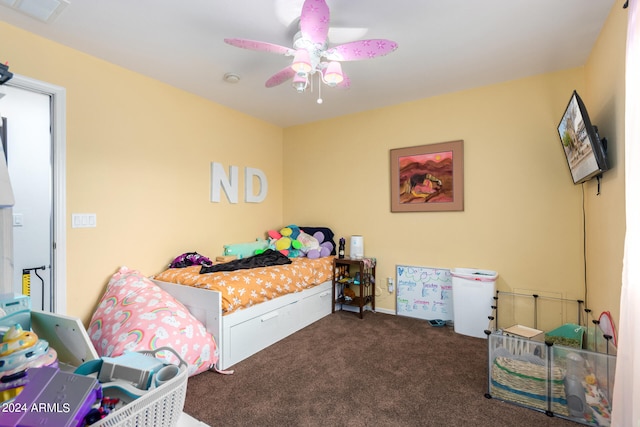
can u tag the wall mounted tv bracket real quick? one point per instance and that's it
(5, 74)
(606, 160)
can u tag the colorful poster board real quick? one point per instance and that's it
(424, 292)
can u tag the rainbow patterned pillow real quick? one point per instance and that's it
(135, 314)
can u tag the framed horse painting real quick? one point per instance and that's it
(427, 178)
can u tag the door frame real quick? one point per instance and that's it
(58, 96)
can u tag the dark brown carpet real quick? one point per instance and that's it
(382, 370)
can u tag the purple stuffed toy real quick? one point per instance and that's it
(323, 250)
(188, 259)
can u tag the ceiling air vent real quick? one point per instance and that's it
(42, 10)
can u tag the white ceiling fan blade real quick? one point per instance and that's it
(280, 77)
(339, 35)
(361, 49)
(260, 46)
(314, 21)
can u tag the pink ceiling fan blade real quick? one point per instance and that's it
(260, 46)
(314, 21)
(280, 77)
(361, 49)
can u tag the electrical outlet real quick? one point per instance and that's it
(390, 284)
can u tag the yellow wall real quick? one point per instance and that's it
(605, 98)
(522, 213)
(522, 216)
(138, 155)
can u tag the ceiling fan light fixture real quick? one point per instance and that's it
(311, 52)
(301, 62)
(333, 74)
(300, 83)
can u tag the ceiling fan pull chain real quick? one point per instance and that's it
(319, 101)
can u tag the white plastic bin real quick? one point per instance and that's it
(473, 292)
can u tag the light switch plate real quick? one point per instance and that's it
(18, 220)
(86, 220)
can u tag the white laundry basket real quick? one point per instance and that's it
(160, 407)
(473, 292)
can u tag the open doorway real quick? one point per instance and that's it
(36, 160)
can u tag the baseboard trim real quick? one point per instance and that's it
(354, 309)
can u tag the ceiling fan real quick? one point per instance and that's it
(312, 54)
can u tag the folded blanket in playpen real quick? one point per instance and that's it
(526, 383)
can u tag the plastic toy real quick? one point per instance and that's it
(17, 363)
(16, 339)
(68, 399)
(15, 309)
(133, 367)
(20, 350)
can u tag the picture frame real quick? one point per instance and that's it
(428, 178)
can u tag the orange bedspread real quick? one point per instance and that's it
(245, 288)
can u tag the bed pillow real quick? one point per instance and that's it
(327, 232)
(135, 314)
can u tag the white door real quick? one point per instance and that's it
(29, 155)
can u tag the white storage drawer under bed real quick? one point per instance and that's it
(255, 334)
(252, 335)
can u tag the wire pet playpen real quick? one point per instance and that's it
(551, 372)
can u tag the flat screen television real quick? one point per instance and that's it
(586, 153)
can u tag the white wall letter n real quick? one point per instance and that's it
(219, 180)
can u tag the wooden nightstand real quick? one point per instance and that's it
(357, 274)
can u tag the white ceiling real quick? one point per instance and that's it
(444, 46)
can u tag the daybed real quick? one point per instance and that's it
(247, 310)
